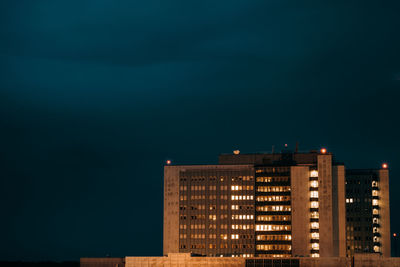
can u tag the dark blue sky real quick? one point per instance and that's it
(95, 95)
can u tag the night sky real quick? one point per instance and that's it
(95, 95)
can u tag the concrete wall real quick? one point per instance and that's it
(384, 211)
(339, 210)
(183, 259)
(375, 260)
(325, 262)
(300, 210)
(102, 262)
(326, 247)
(171, 210)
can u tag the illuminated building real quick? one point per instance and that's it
(282, 205)
(368, 214)
(277, 209)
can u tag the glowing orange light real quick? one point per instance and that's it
(384, 166)
(323, 150)
(394, 234)
(168, 162)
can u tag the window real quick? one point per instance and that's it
(235, 236)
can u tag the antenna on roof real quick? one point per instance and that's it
(273, 148)
(297, 147)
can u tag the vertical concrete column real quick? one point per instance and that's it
(384, 211)
(339, 210)
(326, 247)
(299, 178)
(171, 210)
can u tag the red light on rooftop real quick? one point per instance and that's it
(168, 162)
(384, 166)
(323, 150)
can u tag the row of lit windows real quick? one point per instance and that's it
(273, 169)
(273, 208)
(214, 226)
(214, 246)
(240, 187)
(203, 207)
(203, 217)
(274, 237)
(214, 187)
(223, 226)
(314, 215)
(235, 236)
(273, 198)
(272, 179)
(273, 188)
(273, 247)
(202, 197)
(242, 217)
(198, 236)
(242, 226)
(210, 226)
(235, 197)
(240, 207)
(197, 226)
(272, 227)
(273, 218)
(214, 178)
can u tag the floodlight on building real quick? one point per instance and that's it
(236, 152)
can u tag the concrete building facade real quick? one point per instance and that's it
(257, 205)
(368, 211)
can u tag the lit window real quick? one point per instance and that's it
(314, 194)
(315, 246)
(314, 225)
(315, 235)
(314, 204)
(375, 202)
(314, 183)
(315, 255)
(314, 173)
(234, 236)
